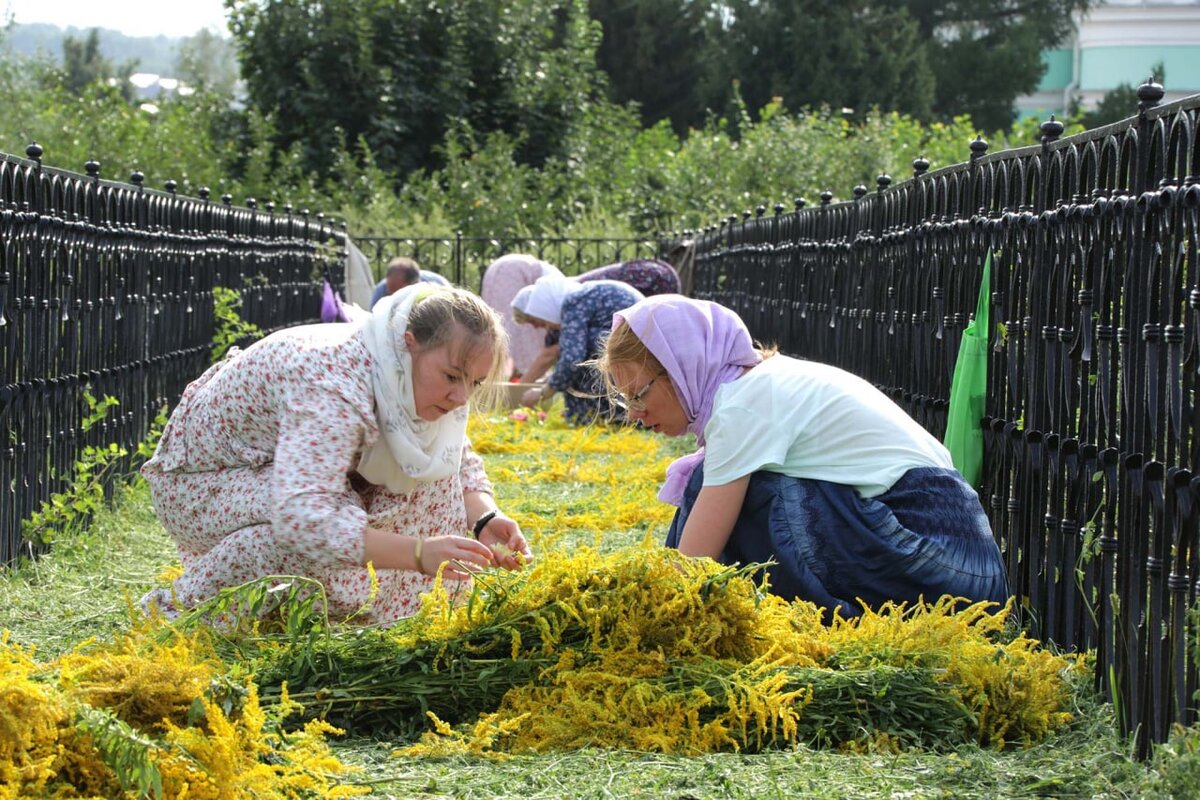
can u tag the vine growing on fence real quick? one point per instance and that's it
(93, 470)
(229, 327)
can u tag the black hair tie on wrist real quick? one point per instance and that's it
(482, 522)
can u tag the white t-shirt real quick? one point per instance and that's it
(810, 420)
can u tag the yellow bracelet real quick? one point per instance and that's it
(417, 556)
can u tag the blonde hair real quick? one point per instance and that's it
(623, 347)
(521, 318)
(456, 317)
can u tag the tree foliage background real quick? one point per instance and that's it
(568, 117)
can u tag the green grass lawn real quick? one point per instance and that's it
(82, 589)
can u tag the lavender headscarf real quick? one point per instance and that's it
(701, 345)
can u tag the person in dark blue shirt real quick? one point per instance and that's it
(403, 271)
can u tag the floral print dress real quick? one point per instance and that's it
(587, 315)
(254, 476)
(648, 276)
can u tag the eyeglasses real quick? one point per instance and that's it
(635, 402)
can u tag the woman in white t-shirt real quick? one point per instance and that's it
(800, 463)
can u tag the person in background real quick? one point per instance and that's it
(648, 276)
(403, 271)
(801, 463)
(502, 279)
(322, 449)
(581, 313)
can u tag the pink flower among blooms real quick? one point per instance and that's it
(520, 416)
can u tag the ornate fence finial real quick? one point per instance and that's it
(778, 209)
(34, 151)
(137, 178)
(251, 203)
(800, 203)
(979, 147)
(759, 210)
(92, 168)
(204, 193)
(170, 186)
(920, 166)
(883, 181)
(860, 192)
(227, 199)
(1051, 130)
(1149, 94)
(826, 197)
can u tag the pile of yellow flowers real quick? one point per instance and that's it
(151, 715)
(638, 647)
(643, 648)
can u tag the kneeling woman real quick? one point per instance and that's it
(581, 314)
(323, 448)
(801, 463)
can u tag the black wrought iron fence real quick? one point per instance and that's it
(462, 259)
(1091, 466)
(107, 288)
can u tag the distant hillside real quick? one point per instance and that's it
(156, 54)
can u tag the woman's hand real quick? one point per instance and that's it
(503, 537)
(531, 397)
(462, 555)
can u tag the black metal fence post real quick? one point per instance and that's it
(108, 287)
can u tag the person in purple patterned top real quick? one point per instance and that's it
(648, 276)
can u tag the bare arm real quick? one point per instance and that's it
(712, 518)
(464, 555)
(542, 363)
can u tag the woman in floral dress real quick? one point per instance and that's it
(323, 448)
(581, 314)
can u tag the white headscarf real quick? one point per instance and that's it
(409, 449)
(545, 298)
(520, 300)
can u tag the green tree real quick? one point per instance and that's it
(655, 53)
(84, 65)
(207, 62)
(934, 59)
(847, 54)
(394, 73)
(986, 53)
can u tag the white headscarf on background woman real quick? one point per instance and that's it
(409, 450)
(545, 298)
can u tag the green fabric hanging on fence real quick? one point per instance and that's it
(968, 391)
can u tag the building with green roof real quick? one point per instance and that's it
(1120, 42)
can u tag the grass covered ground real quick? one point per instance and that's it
(591, 489)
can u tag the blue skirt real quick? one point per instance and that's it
(925, 537)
